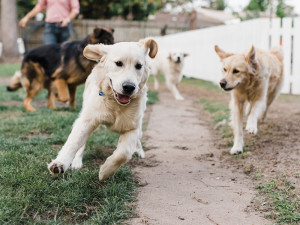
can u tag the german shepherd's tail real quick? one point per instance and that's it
(278, 52)
(15, 82)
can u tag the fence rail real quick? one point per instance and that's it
(204, 63)
(124, 30)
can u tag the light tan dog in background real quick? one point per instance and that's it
(170, 65)
(256, 78)
(115, 95)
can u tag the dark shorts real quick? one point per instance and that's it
(53, 33)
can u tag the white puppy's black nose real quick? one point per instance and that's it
(128, 88)
(178, 59)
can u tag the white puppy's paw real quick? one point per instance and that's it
(76, 164)
(180, 98)
(236, 150)
(251, 128)
(57, 167)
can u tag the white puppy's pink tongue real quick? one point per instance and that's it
(123, 98)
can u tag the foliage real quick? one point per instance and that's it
(255, 7)
(24, 6)
(217, 4)
(283, 10)
(258, 5)
(95, 9)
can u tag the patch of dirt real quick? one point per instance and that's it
(189, 185)
(274, 151)
(4, 80)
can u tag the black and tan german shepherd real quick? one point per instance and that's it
(59, 68)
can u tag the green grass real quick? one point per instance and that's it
(152, 97)
(192, 81)
(281, 198)
(202, 83)
(30, 195)
(7, 70)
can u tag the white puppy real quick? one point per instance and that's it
(169, 64)
(115, 95)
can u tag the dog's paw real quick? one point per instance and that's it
(56, 167)
(236, 150)
(105, 173)
(252, 129)
(76, 164)
(141, 153)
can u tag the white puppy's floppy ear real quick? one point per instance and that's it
(150, 44)
(185, 54)
(95, 52)
(221, 53)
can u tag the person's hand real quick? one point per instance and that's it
(65, 22)
(23, 22)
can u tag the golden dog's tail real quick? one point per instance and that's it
(278, 52)
(15, 82)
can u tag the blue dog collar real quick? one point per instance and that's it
(101, 93)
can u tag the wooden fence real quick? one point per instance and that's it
(124, 30)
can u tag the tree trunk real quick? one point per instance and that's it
(9, 28)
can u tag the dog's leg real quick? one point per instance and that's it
(126, 147)
(174, 90)
(51, 103)
(140, 149)
(32, 90)
(72, 90)
(77, 161)
(257, 109)
(82, 127)
(237, 108)
(156, 83)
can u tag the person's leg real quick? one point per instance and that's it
(64, 34)
(49, 34)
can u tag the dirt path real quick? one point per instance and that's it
(188, 186)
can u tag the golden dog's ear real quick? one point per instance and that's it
(221, 53)
(150, 44)
(95, 52)
(251, 59)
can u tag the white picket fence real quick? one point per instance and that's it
(204, 63)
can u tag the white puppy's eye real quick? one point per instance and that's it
(138, 66)
(119, 63)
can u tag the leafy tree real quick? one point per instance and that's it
(217, 4)
(24, 6)
(258, 5)
(283, 10)
(105, 9)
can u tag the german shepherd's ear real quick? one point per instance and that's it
(98, 31)
(221, 53)
(150, 44)
(95, 52)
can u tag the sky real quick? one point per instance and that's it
(238, 5)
